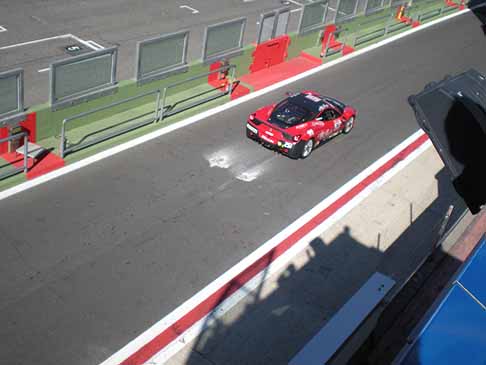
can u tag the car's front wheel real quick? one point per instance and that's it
(307, 148)
(348, 125)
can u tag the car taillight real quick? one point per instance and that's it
(296, 138)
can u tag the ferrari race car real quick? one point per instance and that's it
(299, 123)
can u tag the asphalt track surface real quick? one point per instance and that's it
(93, 258)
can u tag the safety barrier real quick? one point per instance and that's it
(15, 170)
(224, 88)
(65, 148)
(161, 110)
(436, 12)
(369, 36)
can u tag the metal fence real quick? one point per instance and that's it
(83, 77)
(66, 147)
(161, 56)
(199, 97)
(223, 40)
(11, 95)
(9, 167)
(273, 24)
(313, 16)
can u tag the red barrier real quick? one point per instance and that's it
(218, 80)
(329, 39)
(270, 53)
(452, 4)
(30, 125)
(4, 145)
(401, 17)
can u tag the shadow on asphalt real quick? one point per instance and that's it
(273, 325)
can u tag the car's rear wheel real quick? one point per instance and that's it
(307, 148)
(348, 125)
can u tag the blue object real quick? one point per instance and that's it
(455, 333)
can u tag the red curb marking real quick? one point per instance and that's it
(205, 307)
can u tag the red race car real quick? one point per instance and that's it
(298, 124)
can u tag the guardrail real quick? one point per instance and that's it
(16, 170)
(369, 36)
(435, 12)
(64, 148)
(161, 110)
(168, 110)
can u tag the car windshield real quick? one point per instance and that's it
(288, 114)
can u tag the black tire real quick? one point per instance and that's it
(306, 148)
(348, 126)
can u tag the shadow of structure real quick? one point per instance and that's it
(275, 321)
(479, 9)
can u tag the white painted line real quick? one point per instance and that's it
(194, 11)
(295, 10)
(295, 2)
(64, 36)
(82, 41)
(201, 116)
(96, 45)
(2, 29)
(44, 69)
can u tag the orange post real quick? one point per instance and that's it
(400, 12)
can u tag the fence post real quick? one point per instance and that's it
(26, 152)
(157, 106)
(232, 78)
(443, 226)
(63, 138)
(164, 95)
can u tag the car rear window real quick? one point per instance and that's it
(337, 104)
(288, 114)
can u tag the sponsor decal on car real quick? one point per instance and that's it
(264, 137)
(314, 98)
(310, 132)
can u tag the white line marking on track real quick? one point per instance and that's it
(2, 29)
(44, 69)
(295, 10)
(64, 36)
(95, 45)
(86, 43)
(35, 41)
(295, 2)
(196, 118)
(194, 11)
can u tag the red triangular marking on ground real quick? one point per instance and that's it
(48, 163)
(269, 76)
